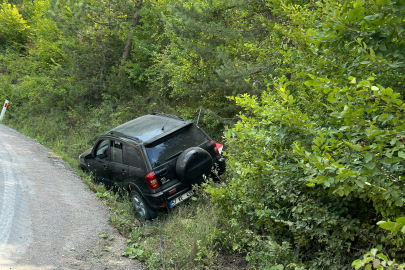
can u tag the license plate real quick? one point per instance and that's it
(181, 198)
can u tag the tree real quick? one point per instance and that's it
(13, 28)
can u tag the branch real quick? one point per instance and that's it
(128, 44)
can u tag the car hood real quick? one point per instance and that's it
(85, 153)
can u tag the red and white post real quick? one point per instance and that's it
(3, 111)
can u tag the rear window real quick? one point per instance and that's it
(172, 145)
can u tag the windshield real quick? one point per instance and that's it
(172, 145)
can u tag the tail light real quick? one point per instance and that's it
(214, 145)
(152, 181)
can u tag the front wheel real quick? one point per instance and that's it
(141, 207)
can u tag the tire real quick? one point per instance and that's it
(84, 168)
(141, 206)
(192, 164)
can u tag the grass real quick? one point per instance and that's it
(190, 229)
(187, 239)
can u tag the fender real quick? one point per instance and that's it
(132, 186)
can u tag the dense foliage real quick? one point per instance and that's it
(316, 157)
(317, 160)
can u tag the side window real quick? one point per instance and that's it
(134, 157)
(116, 151)
(102, 150)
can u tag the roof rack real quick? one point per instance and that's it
(170, 116)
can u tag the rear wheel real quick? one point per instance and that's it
(141, 207)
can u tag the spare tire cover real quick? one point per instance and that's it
(192, 164)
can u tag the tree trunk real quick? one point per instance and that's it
(128, 44)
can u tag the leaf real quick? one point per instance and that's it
(352, 14)
(332, 99)
(388, 92)
(359, 183)
(401, 220)
(382, 257)
(357, 4)
(382, 47)
(397, 101)
(368, 157)
(368, 267)
(356, 147)
(376, 263)
(401, 154)
(313, 83)
(355, 262)
(319, 166)
(291, 99)
(373, 251)
(326, 183)
(370, 165)
(371, 17)
(390, 226)
(374, 88)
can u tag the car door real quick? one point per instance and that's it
(99, 165)
(118, 170)
(137, 167)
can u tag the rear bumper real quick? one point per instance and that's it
(156, 200)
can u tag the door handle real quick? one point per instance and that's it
(123, 171)
(105, 167)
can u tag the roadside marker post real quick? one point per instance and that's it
(3, 111)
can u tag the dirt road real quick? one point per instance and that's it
(48, 219)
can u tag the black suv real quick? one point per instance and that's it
(156, 158)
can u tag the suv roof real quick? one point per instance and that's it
(149, 127)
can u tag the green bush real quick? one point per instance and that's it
(317, 181)
(13, 28)
(316, 159)
(380, 261)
